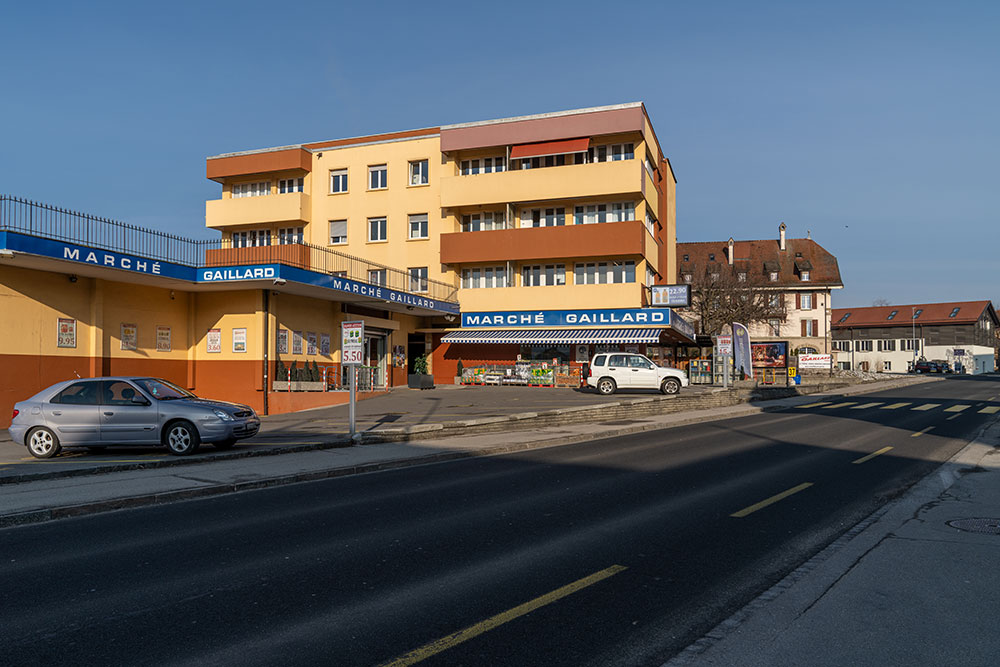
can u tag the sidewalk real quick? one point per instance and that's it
(917, 583)
(52, 497)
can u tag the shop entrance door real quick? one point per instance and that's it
(374, 363)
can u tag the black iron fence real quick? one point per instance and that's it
(45, 221)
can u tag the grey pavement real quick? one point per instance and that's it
(917, 583)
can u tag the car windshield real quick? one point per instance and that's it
(162, 390)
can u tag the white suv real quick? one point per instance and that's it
(612, 371)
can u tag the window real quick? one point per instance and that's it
(955, 312)
(479, 278)
(339, 274)
(842, 345)
(545, 275)
(892, 314)
(378, 178)
(478, 222)
(602, 273)
(376, 230)
(774, 300)
(862, 346)
(418, 172)
(741, 276)
(338, 232)
(650, 276)
(290, 235)
(251, 238)
(418, 279)
(260, 189)
(887, 345)
(887, 365)
(809, 328)
(486, 165)
(543, 217)
(909, 344)
(338, 181)
(287, 185)
(844, 318)
(376, 276)
(611, 212)
(611, 153)
(775, 326)
(599, 360)
(79, 393)
(687, 258)
(687, 277)
(774, 276)
(711, 256)
(804, 275)
(117, 392)
(418, 226)
(917, 312)
(806, 301)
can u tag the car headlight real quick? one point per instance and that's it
(224, 416)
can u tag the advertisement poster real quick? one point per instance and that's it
(769, 355)
(398, 356)
(311, 342)
(215, 340)
(324, 344)
(130, 335)
(582, 353)
(742, 356)
(815, 361)
(239, 340)
(282, 341)
(66, 333)
(162, 338)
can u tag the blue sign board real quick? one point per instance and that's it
(606, 317)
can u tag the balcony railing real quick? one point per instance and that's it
(50, 222)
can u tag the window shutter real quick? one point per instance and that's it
(803, 322)
(815, 300)
(815, 327)
(338, 228)
(798, 304)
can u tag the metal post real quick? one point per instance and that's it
(725, 371)
(354, 396)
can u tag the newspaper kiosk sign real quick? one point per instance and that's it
(352, 343)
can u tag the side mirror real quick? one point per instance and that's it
(139, 400)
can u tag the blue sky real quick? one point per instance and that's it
(873, 125)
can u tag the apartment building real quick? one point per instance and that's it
(889, 339)
(797, 275)
(551, 227)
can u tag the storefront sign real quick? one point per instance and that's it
(815, 361)
(129, 336)
(66, 333)
(352, 342)
(162, 338)
(237, 273)
(557, 318)
(214, 341)
(671, 296)
(239, 340)
(282, 341)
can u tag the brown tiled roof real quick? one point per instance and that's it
(752, 255)
(933, 313)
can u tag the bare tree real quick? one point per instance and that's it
(881, 302)
(722, 296)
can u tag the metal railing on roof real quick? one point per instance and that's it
(51, 222)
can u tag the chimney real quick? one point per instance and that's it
(781, 236)
(731, 244)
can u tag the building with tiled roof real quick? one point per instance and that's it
(891, 338)
(800, 274)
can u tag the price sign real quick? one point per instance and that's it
(352, 343)
(724, 344)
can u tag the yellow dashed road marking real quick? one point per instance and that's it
(814, 405)
(957, 408)
(927, 406)
(770, 501)
(468, 633)
(920, 433)
(895, 406)
(990, 409)
(872, 455)
(865, 406)
(840, 405)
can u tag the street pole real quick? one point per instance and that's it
(354, 398)
(913, 336)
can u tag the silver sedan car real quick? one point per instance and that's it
(97, 412)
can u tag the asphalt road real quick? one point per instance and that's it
(615, 552)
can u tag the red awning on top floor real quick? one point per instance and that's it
(550, 148)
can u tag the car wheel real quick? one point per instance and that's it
(606, 386)
(224, 444)
(670, 386)
(43, 443)
(181, 438)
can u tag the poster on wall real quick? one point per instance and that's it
(311, 342)
(162, 338)
(296, 342)
(769, 355)
(215, 340)
(582, 353)
(130, 335)
(324, 344)
(398, 356)
(239, 340)
(282, 341)
(632, 349)
(66, 333)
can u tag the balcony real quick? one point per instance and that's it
(284, 208)
(608, 239)
(603, 179)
